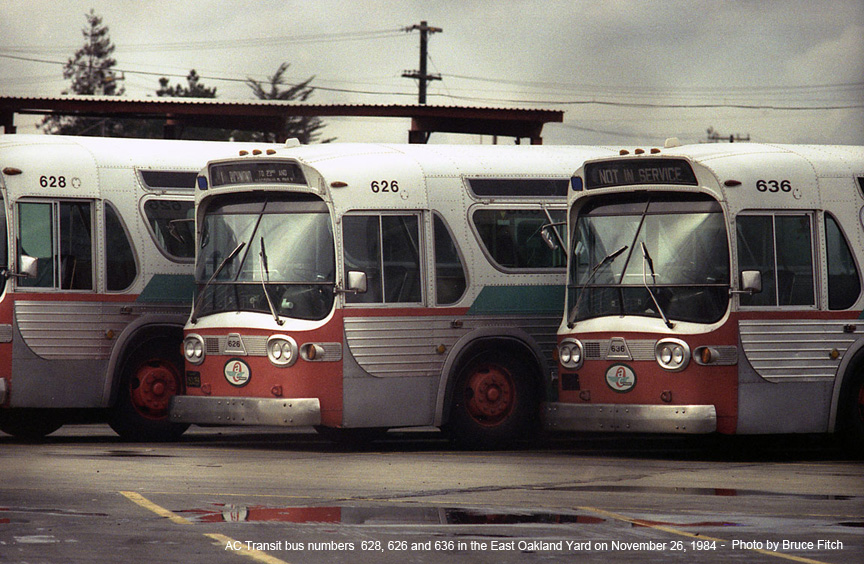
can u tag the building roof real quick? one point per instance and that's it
(270, 115)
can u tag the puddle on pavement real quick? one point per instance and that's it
(348, 515)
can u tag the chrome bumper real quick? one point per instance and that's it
(206, 410)
(630, 418)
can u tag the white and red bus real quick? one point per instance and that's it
(715, 288)
(96, 261)
(362, 286)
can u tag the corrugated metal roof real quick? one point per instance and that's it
(268, 114)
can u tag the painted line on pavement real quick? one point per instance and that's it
(227, 543)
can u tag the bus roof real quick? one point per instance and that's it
(122, 152)
(447, 160)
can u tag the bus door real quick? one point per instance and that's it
(5, 304)
(57, 323)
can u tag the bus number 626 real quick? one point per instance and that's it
(384, 186)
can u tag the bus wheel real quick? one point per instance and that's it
(151, 377)
(852, 413)
(494, 403)
(28, 424)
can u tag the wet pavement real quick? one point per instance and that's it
(241, 495)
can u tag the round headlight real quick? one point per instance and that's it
(570, 354)
(282, 350)
(193, 349)
(672, 354)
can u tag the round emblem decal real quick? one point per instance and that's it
(237, 372)
(620, 378)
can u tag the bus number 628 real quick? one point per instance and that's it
(52, 181)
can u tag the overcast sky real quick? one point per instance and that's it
(625, 72)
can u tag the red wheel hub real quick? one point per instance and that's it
(152, 388)
(490, 394)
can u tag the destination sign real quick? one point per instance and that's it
(255, 172)
(626, 172)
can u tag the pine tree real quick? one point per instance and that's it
(304, 128)
(90, 70)
(194, 89)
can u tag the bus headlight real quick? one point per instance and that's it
(193, 349)
(282, 350)
(672, 354)
(570, 353)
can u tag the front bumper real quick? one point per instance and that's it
(620, 418)
(207, 410)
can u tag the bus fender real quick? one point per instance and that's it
(484, 338)
(144, 327)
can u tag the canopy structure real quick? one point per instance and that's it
(266, 115)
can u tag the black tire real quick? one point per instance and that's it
(152, 375)
(494, 402)
(851, 413)
(29, 425)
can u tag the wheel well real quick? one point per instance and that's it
(507, 345)
(135, 342)
(855, 366)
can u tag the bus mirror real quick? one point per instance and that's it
(751, 281)
(28, 267)
(549, 237)
(356, 282)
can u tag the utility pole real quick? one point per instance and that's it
(422, 75)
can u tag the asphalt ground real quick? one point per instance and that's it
(264, 495)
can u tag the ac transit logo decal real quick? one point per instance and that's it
(620, 378)
(237, 372)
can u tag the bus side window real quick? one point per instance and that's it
(450, 282)
(387, 249)
(844, 282)
(4, 237)
(71, 266)
(513, 238)
(784, 240)
(120, 267)
(76, 246)
(171, 225)
(35, 239)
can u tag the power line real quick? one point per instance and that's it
(211, 44)
(577, 102)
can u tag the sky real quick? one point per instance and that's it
(625, 72)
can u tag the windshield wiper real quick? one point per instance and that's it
(265, 273)
(571, 319)
(646, 259)
(223, 264)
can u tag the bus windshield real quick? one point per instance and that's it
(654, 255)
(285, 244)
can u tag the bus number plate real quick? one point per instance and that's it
(234, 344)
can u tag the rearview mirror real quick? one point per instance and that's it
(356, 282)
(751, 282)
(28, 267)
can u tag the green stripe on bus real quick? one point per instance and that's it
(169, 288)
(499, 300)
